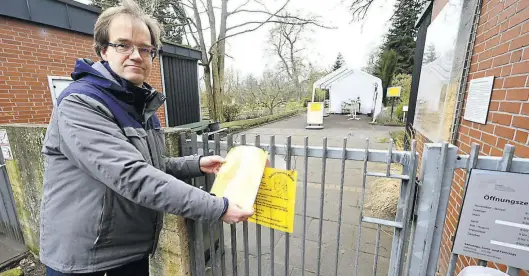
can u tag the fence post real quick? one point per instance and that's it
(437, 171)
(172, 254)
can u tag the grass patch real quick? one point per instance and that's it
(399, 138)
(13, 272)
(382, 198)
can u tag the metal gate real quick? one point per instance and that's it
(433, 200)
(8, 218)
(325, 242)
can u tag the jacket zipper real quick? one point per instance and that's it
(100, 227)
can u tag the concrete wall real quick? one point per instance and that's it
(26, 177)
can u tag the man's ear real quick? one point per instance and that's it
(104, 54)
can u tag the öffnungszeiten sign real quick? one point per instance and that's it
(494, 222)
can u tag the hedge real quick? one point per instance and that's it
(245, 124)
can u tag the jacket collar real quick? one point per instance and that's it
(144, 99)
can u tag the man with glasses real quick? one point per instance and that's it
(107, 181)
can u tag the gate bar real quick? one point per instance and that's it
(364, 175)
(395, 224)
(221, 223)
(258, 226)
(212, 228)
(288, 158)
(233, 227)
(377, 156)
(186, 150)
(272, 150)
(340, 207)
(471, 164)
(436, 198)
(505, 166)
(199, 233)
(322, 202)
(245, 232)
(305, 182)
(391, 176)
(437, 171)
(377, 248)
(404, 212)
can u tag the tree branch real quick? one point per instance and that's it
(202, 44)
(359, 9)
(192, 35)
(236, 10)
(261, 23)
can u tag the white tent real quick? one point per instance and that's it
(346, 84)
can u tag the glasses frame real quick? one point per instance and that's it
(151, 51)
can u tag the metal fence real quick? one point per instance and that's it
(228, 261)
(9, 224)
(437, 170)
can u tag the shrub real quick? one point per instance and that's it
(384, 118)
(291, 105)
(230, 112)
(404, 81)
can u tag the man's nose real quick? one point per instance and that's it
(135, 54)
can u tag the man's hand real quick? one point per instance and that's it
(211, 164)
(235, 214)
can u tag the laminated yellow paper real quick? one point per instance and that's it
(240, 176)
(276, 200)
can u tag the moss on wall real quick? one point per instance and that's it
(26, 172)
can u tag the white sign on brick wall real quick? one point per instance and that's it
(4, 145)
(478, 100)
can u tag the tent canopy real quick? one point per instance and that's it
(345, 84)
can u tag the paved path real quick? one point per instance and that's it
(336, 129)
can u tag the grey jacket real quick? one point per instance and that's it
(107, 181)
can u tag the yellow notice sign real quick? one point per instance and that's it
(276, 200)
(394, 91)
(315, 106)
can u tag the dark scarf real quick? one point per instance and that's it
(136, 95)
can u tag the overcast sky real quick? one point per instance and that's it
(354, 40)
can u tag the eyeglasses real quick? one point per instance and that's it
(129, 49)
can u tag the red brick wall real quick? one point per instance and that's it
(28, 54)
(155, 79)
(501, 50)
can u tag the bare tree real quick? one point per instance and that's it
(213, 56)
(273, 90)
(233, 86)
(286, 41)
(359, 8)
(372, 61)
